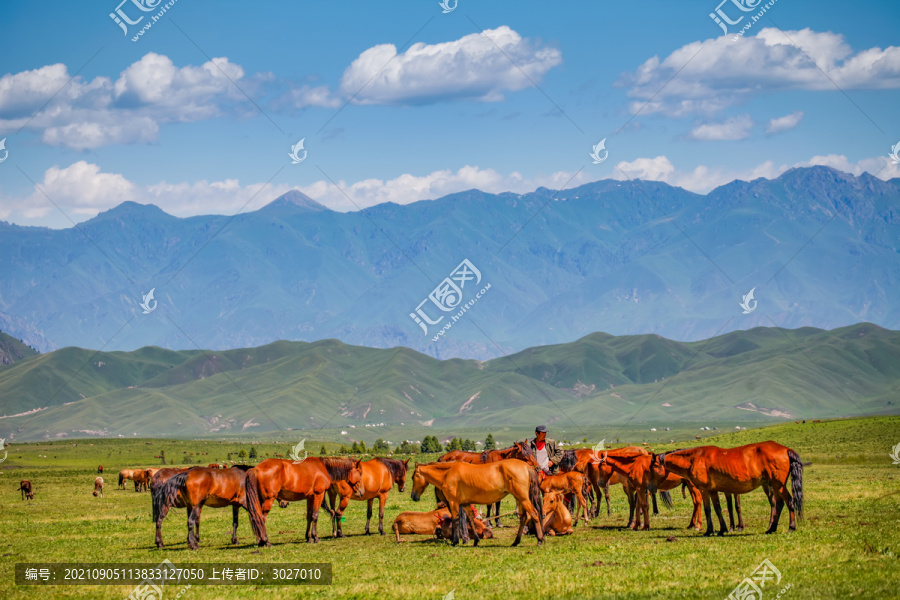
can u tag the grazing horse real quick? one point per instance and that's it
(279, 479)
(518, 451)
(100, 469)
(738, 471)
(464, 484)
(198, 487)
(98, 487)
(124, 475)
(567, 483)
(159, 510)
(378, 476)
(27, 489)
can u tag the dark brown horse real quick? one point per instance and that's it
(378, 476)
(278, 479)
(465, 484)
(100, 469)
(159, 509)
(199, 487)
(27, 489)
(738, 471)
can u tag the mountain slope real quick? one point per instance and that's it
(742, 376)
(819, 247)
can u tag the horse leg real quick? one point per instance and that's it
(723, 528)
(368, 513)
(655, 509)
(770, 496)
(471, 516)
(382, 500)
(697, 500)
(737, 508)
(234, 521)
(583, 504)
(159, 520)
(708, 513)
(730, 512)
(645, 506)
(194, 527)
(497, 512)
(454, 522)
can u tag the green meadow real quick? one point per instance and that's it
(847, 545)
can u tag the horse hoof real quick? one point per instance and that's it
(707, 534)
(540, 542)
(721, 534)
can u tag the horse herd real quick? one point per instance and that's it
(545, 503)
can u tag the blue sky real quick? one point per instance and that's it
(95, 119)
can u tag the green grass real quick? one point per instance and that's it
(759, 375)
(847, 545)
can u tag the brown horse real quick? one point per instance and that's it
(473, 458)
(557, 519)
(465, 484)
(141, 479)
(159, 510)
(518, 451)
(100, 469)
(571, 482)
(378, 476)
(98, 487)
(634, 467)
(124, 475)
(27, 489)
(279, 479)
(738, 471)
(199, 487)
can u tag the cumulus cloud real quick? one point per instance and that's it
(89, 114)
(471, 67)
(716, 73)
(735, 128)
(784, 123)
(702, 178)
(82, 190)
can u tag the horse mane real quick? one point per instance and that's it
(242, 467)
(484, 456)
(569, 460)
(526, 449)
(396, 467)
(338, 468)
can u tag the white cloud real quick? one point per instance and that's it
(470, 67)
(784, 123)
(735, 128)
(89, 114)
(702, 178)
(725, 72)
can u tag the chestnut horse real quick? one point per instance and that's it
(571, 482)
(98, 487)
(463, 484)
(280, 479)
(125, 475)
(100, 469)
(378, 476)
(737, 471)
(27, 489)
(159, 509)
(634, 467)
(518, 451)
(198, 487)
(473, 458)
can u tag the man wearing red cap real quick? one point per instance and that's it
(545, 450)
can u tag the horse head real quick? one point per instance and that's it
(354, 478)
(419, 484)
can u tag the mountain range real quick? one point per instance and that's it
(759, 375)
(817, 247)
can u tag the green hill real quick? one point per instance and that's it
(759, 375)
(13, 350)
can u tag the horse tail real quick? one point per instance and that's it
(164, 496)
(666, 498)
(121, 478)
(796, 481)
(252, 494)
(534, 493)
